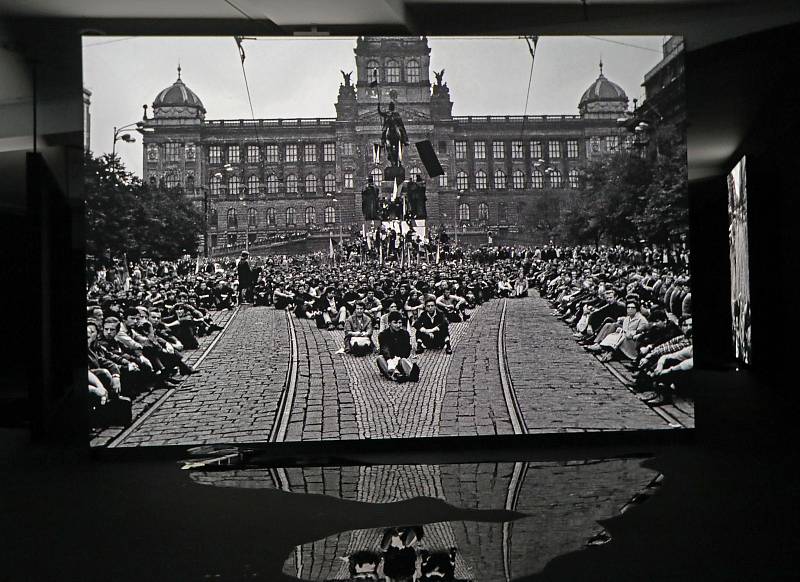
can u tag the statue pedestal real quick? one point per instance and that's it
(401, 227)
(394, 173)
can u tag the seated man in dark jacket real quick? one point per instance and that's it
(395, 350)
(433, 329)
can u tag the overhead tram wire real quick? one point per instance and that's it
(532, 42)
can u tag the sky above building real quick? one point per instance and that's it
(300, 77)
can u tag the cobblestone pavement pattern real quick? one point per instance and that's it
(559, 386)
(235, 396)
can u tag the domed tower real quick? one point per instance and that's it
(178, 102)
(603, 99)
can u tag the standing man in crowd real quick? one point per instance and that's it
(245, 274)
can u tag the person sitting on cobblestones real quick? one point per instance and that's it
(332, 313)
(620, 337)
(395, 350)
(282, 297)
(453, 306)
(372, 306)
(413, 306)
(358, 333)
(363, 566)
(433, 329)
(384, 320)
(521, 284)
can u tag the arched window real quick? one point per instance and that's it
(311, 215)
(499, 179)
(329, 183)
(555, 178)
(463, 211)
(480, 180)
(311, 184)
(462, 182)
(502, 213)
(232, 220)
(537, 179)
(483, 212)
(290, 216)
(291, 184)
(574, 179)
(412, 71)
(377, 175)
(518, 179)
(443, 180)
(392, 71)
(215, 185)
(330, 215)
(372, 71)
(253, 185)
(213, 218)
(171, 181)
(414, 172)
(190, 182)
(233, 185)
(251, 217)
(272, 184)
(270, 217)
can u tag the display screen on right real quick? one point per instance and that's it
(740, 261)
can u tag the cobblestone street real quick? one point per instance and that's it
(515, 369)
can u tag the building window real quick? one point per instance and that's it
(412, 71)
(252, 185)
(555, 178)
(233, 222)
(537, 179)
(251, 217)
(461, 150)
(310, 152)
(372, 71)
(290, 216)
(291, 184)
(572, 148)
(516, 150)
(234, 184)
(498, 150)
(554, 149)
(253, 154)
(612, 143)
(574, 179)
(348, 180)
(172, 152)
(231, 239)
(272, 184)
(392, 72)
(311, 216)
(329, 183)
(171, 181)
(270, 217)
(518, 179)
(215, 185)
(347, 149)
(480, 180)
(215, 154)
(291, 152)
(442, 147)
(443, 180)
(329, 152)
(480, 150)
(330, 215)
(414, 172)
(311, 184)
(213, 218)
(499, 179)
(377, 175)
(536, 150)
(271, 153)
(483, 212)
(502, 213)
(462, 182)
(233, 154)
(463, 211)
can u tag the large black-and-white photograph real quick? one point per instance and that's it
(323, 239)
(740, 261)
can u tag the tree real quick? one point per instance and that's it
(123, 215)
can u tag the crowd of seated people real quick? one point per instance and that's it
(625, 305)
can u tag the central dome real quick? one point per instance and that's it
(178, 99)
(603, 98)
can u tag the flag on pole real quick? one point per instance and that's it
(331, 252)
(380, 250)
(437, 253)
(376, 153)
(394, 190)
(197, 265)
(400, 152)
(126, 277)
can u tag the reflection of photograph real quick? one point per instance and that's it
(740, 261)
(385, 237)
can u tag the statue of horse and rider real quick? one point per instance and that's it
(393, 133)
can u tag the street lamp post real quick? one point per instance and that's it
(126, 137)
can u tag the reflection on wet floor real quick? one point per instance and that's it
(556, 509)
